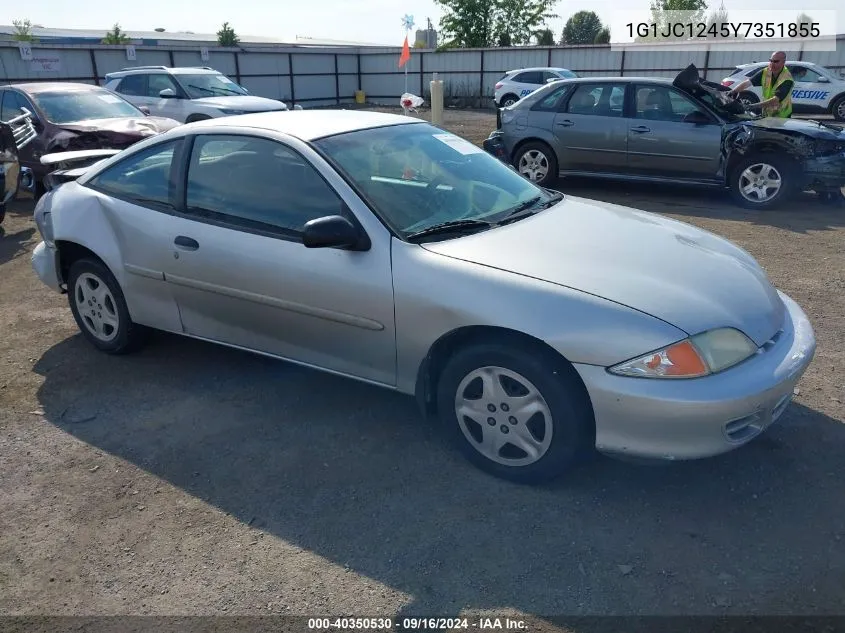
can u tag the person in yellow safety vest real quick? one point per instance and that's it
(776, 82)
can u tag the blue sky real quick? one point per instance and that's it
(376, 21)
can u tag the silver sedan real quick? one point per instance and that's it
(538, 328)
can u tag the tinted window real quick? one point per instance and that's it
(159, 82)
(135, 85)
(531, 77)
(256, 183)
(71, 106)
(12, 104)
(660, 103)
(551, 101)
(209, 85)
(597, 100)
(144, 177)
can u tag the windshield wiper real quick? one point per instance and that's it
(529, 207)
(453, 226)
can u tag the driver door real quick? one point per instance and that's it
(9, 166)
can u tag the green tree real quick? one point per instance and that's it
(682, 11)
(481, 23)
(116, 36)
(226, 36)
(545, 37)
(581, 28)
(603, 36)
(23, 31)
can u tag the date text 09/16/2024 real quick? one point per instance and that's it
(412, 624)
(724, 29)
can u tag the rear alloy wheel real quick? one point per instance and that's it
(100, 310)
(509, 100)
(514, 414)
(838, 109)
(536, 162)
(763, 181)
(748, 98)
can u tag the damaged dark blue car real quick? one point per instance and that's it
(683, 131)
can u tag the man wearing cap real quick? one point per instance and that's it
(776, 82)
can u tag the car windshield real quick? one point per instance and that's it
(417, 176)
(568, 74)
(74, 106)
(209, 85)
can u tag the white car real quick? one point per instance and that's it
(817, 90)
(186, 94)
(518, 83)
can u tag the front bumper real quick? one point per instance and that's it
(702, 417)
(827, 172)
(45, 263)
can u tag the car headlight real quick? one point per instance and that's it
(695, 356)
(225, 111)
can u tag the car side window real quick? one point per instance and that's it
(661, 103)
(145, 178)
(133, 85)
(551, 102)
(157, 83)
(256, 183)
(12, 104)
(803, 75)
(529, 77)
(597, 100)
(549, 75)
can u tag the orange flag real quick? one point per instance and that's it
(406, 53)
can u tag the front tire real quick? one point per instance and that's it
(763, 181)
(515, 414)
(537, 162)
(99, 308)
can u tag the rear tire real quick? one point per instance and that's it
(748, 98)
(557, 425)
(837, 108)
(99, 309)
(508, 100)
(763, 181)
(537, 161)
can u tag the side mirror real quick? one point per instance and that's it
(167, 93)
(334, 231)
(697, 117)
(10, 167)
(823, 80)
(145, 110)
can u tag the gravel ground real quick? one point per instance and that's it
(194, 479)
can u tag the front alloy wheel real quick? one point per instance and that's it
(760, 182)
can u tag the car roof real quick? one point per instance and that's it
(53, 86)
(522, 70)
(174, 70)
(615, 79)
(306, 125)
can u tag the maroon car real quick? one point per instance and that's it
(75, 116)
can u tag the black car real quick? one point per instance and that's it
(653, 129)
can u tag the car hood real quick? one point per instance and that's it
(137, 126)
(245, 103)
(815, 129)
(686, 276)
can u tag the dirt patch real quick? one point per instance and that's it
(193, 479)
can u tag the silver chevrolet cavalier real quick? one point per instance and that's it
(538, 328)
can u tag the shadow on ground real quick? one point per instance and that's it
(806, 213)
(350, 472)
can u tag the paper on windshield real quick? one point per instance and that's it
(458, 144)
(109, 98)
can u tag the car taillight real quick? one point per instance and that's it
(499, 85)
(728, 82)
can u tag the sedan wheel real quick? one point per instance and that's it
(520, 415)
(504, 416)
(762, 182)
(96, 307)
(99, 308)
(536, 162)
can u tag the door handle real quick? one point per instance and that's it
(566, 123)
(641, 128)
(186, 243)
